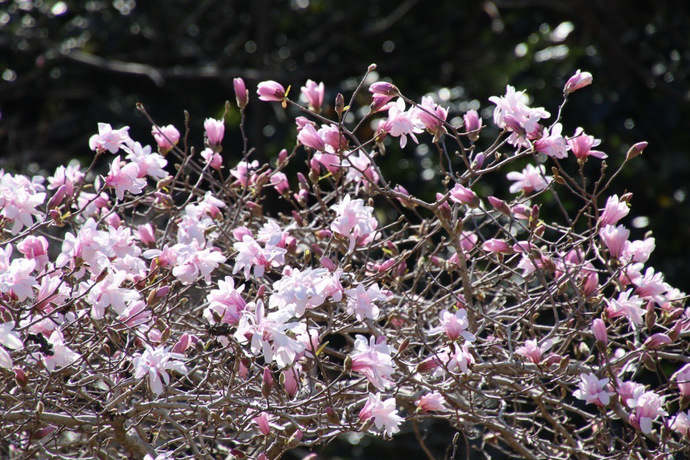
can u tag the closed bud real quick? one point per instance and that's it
(636, 150)
(339, 104)
(241, 93)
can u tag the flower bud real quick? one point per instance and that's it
(271, 91)
(577, 81)
(599, 331)
(241, 93)
(473, 123)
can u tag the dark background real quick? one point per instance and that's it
(66, 65)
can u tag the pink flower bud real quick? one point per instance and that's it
(182, 344)
(240, 232)
(577, 81)
(271, 91)
(327, 263)
(147, 234)
(59, 196)
(314, 94)
(280, 182)
(497, 246)
(499, 205)
(461, 194)
(473, 123)
(599, 331)
(290, 381)
(241, 93)
(382, 88)
(282, 156)
(636, 150)
(658, 340)
(215, 130)
(212, 159)
(20, 376)
(113, 220)
(166, 137)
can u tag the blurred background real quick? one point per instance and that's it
(66, 65)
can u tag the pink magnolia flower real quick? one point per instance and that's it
(360, 301)
(309, 137)
(17, 278)
(69, 176)
(360, 169)
(373, 360)
(18, 201)
(682, 378)
(651, 286)
(155, 363)
(135, 314)
(225, 303)
(462, 360)
(193, 262)
(314, 94)
(280, 182)
(149, 164)
(382, 88)
(354, 221)
(166, 137)
(614, 210)
(263, 421)
(108, 138)
(581, 145)
(300, 290)
(384, 414)
(513, 113)
(456, 325)
(473, 123)
(401, 122)
(291, 378)
(681, 423)
(592, 390)
(648, 407)
(552, 143)
(215, 130)
(530, 180)
(245, 173)
(625, 305)
(577, 81)
(62, 355)
(241, 92)
(615, 239)
(462, 194)
(497, 246)
(639, 250)
(599, 331)
(432, 116)
(109, 293)
(533, 351)
(36, 248)
(124, 177)
(271, 91)
(267, 334)
(11, 340)
(212, 159)
(252, 256)
(431, 402)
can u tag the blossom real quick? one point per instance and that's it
(456, 325)
(241, 92)
(69, 176)
(360, 301)
(592, 390)
(639, 250)
(432, 116)
(11, 340)
(625, 305)
(271, 91)
(599, 331)
(155, 362)
(36, 248)
(193, 262)
(124, 177)
(18, 201)
(651, 286)
(614, 210)
(462, 194)
(148, 163)
(473, 123)
(263, 421)
(252, 255)
(401, 122)
(314, 94)
(280, 182)
(212, 159)
(62, 356)
(354, 221)
(681, 423)
(431, 402)
(108, 293)
(648, 407)
(373, 360)
(513, 113)
(267, 334)
(533, 351)
(215, 130)
(552, 143)
(299, 290)
(615, 239)
(17, 278)
(681, 377)
(577, 81)
(530, 180)
(166, 137)
(581, 145)
(384, 414)
(225, 303)
(245, 173)
(108, 138)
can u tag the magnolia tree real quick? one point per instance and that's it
(168, 309)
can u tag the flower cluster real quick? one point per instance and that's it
(161, 305)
